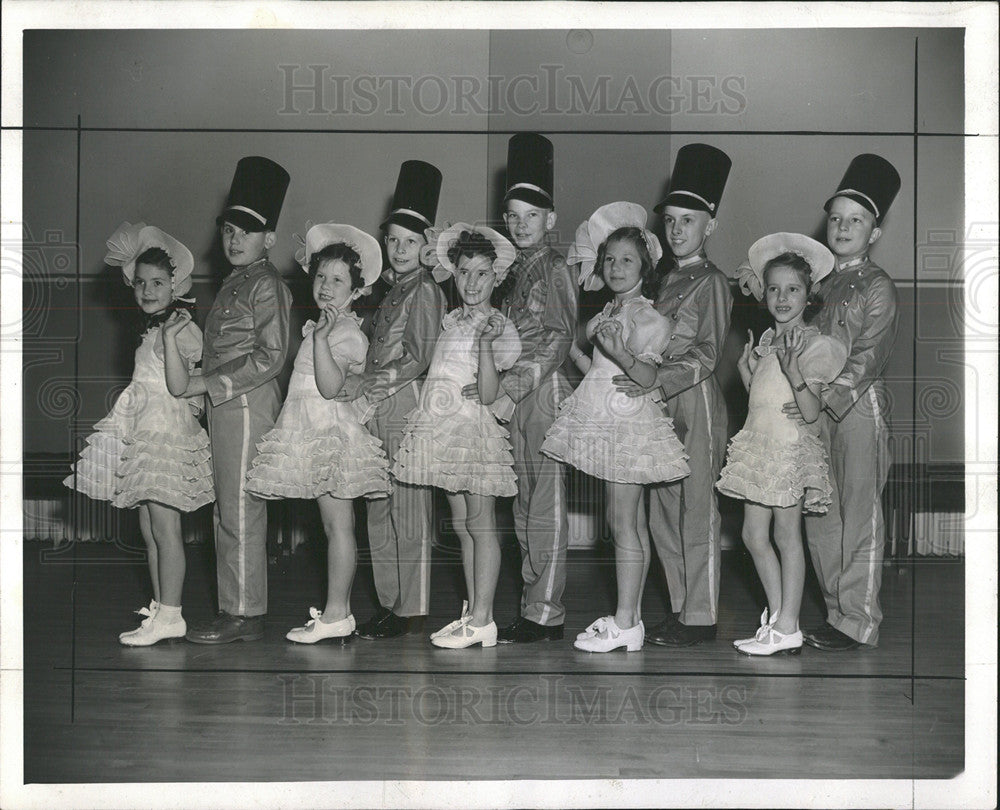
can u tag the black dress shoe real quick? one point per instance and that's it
(663, 627)
(829, 638)
(524, 631)
(226, 627)
(365, 629)
(681, 635)
(389, 625)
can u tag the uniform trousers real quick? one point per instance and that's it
(847, 544)
(399, 527)
(540, 521)
(234, 427)
(684, 515)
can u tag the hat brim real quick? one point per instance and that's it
(682, 201)
(329, 233)
(241, 219)
(819, 257)
(531, 197)
(864, 203)
(505, 250)
(408, 221)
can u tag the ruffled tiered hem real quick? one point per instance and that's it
(307, 464)
(95, 473)
(622, 451)
(175, 470)
(172, 470)
(459, 455)
(773, 473)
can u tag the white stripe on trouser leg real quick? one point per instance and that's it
(712, 584)
(870, 585)
(424, 539)
(556, 507)
(557, 537)
(241, 510)
(422, 573)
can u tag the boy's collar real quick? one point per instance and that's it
(249, 268)
(393, 278)
(857, 260)
(531, 251)
(697, 257)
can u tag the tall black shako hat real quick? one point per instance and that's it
(698, 180)
(530, 170)
(870, 181)
(415, 201)
(256, 195)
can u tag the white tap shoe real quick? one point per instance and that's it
(317, 630)
(153, 630)
(608, 636)
(465, 635)
(448, 628)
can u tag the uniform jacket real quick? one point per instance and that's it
(404, 332)
(697, 301)
(246, 333)
(860, 310)
(542, 305)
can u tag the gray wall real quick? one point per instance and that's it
(790, 107)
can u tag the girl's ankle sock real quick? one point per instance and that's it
(168, 614)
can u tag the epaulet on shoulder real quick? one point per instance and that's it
(876, 269)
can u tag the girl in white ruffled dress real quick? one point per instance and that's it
(150, 452)
(624, 441)
(319, 448)
(775, 463)
(455, 443)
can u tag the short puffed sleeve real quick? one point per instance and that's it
(649, 336)
(822, 359)
(189, 343)
(507, 347)
(348, 347)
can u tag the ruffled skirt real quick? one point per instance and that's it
(640, 449)
(173, 469)
(342, 460)
(764, 470)
(469, 452)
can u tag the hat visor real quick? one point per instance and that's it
(682, 201)
(242, 220)
(866, 204)
(408, 221)
(531, 197)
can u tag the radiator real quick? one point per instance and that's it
(79, 518)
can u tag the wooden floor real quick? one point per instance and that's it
(401, 709)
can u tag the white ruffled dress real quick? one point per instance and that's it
(609, 435)
(150, 447)
(452, 442)
(774, 460)
(320, 446)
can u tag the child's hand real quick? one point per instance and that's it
(178, 319)
(490, 329)
(748, 360)
(609, 337)
(629, 387)
(471, 391)
(327, 320)
(351, 389)
(195, 404)
(789, 353)
(791, 411)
